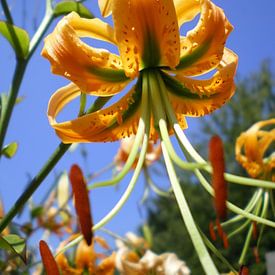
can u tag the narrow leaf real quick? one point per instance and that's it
(48, 259)
(10, 150)
(216, 157)
(82, 204)
(66, 7)
(147, 233)
(17, 37)
(14, 244)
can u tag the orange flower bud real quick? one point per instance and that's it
(82, 203)
(216, 157)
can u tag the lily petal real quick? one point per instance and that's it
(251, 147)
(202, 48)
(105, 7)
(147, 34)
(186, 10)
(95, 71)
(115, 122)
(193, 97)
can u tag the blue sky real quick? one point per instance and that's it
(253, 39)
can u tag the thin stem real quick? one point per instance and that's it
(20, 70)
(248, 238)
(134, 150)
(229, 177)
(7, 11)
(217, 253)
(6, 113)
(156, 92)
(154, 187)
(253, 201)
(232, 206)
(43, 27)
(192, 229)
(98, 104)
(146, 116)
(34, 184)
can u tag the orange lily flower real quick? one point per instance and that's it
(135, 257)
(146, 33)
(153, 153)
(86, 259)
(251, 148)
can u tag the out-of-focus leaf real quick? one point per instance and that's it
(82, 203)
(63, 189)
(36, 212)
(19, 99)
(48, 259)
(9, 150)
(147, 234)
(66, 7)
(14, 244)
(17, 37)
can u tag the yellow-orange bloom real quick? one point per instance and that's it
(86, 259)
(153, 153)
(251, 149)
(146, 33)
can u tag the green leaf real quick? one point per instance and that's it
(147, 233)
(37, 211)
(66, 7)
(9, 150)
(17, 37)
(15, 244)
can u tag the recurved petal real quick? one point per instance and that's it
(186, 10)
(112, 123)
(95, 71)
(193, 97)
(105, 7)
(147, 34)
(202, 48)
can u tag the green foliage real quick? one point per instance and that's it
(253, 101)
(17, 37)
(66, 7)
(14, 244)
(10, 150)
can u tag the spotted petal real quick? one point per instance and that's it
(146, 33)
(202, 48)
(109, 124)
(95, 71)
(186, 10)
(192, 97)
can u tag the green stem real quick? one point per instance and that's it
(231, 206)
(7, 11)
(46, 21)
(253, 201)
(192, 229)
(131, 185)
(6, 113)
(248, 237)
(20, 70)
(229, 177)
(217, 253)
(156, 92)
(34, 184)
